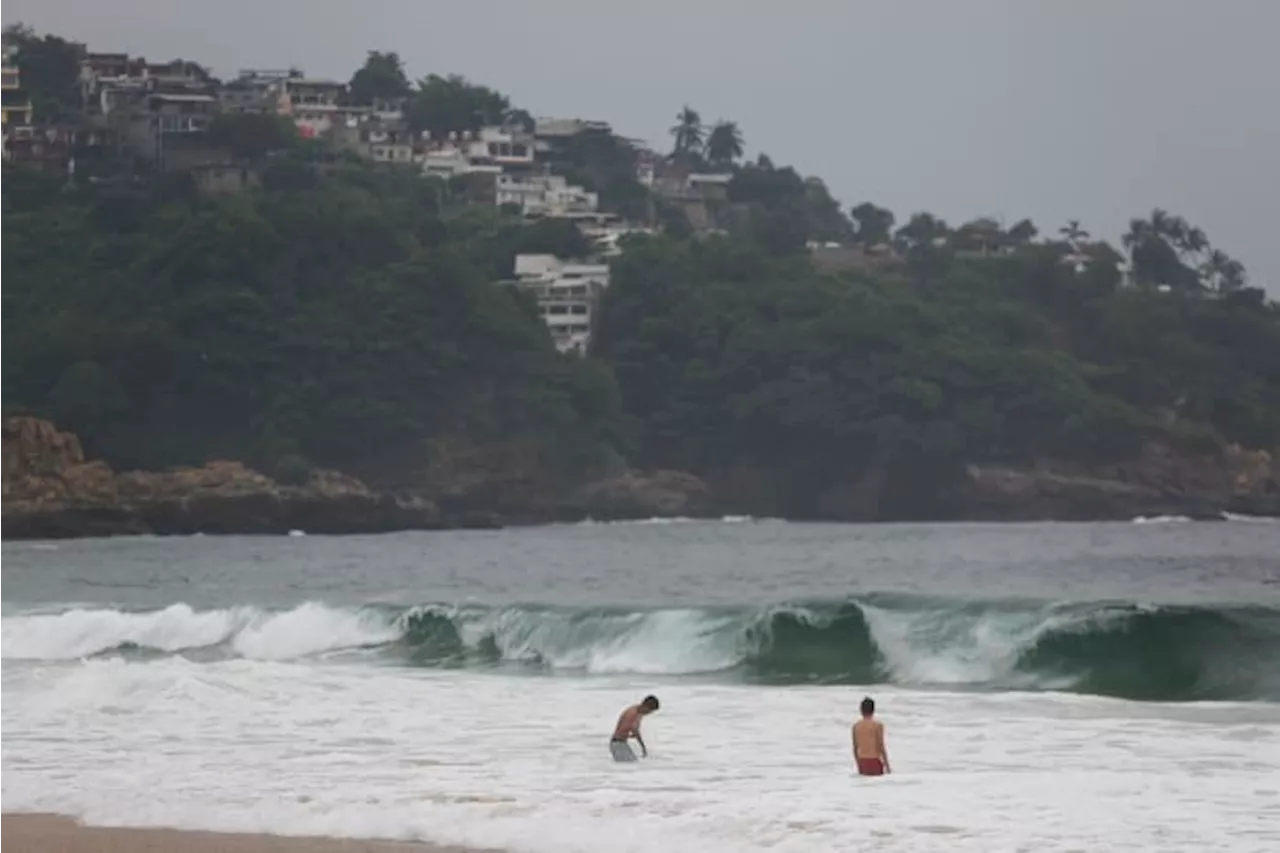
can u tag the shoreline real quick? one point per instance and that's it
(50, 833)
(42, 533)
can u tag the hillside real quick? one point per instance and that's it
(337, 315)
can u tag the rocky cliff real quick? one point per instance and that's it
(51, 490)
(1159, 481)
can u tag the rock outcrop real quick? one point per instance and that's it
(1158, 481)
(51, 490)
(665, 494)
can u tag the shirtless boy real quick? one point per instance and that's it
(868, 742)
(629, 727)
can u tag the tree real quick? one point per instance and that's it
(1164, 250)
(381, 76)
(1222, 273)
(688, 132)
(447, 105)
(875, 224)
(724, 143)
(50, 72)
(1073, 233)
(921, 230)
(521, 119)
(252, 136)
(980, 235)
(1023, 232)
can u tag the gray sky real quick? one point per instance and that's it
(1097, 110)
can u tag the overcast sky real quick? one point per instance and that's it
(1092, 109)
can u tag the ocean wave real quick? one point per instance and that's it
(1124, 649)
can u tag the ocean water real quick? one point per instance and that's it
(1044, 687)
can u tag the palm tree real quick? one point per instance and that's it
(1221, 272)
(1161, 223)
(1073, 233)
(1140, 230)
(1194, 240)
(724, 143)
(688, 131)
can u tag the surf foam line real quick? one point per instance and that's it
(1122, 649)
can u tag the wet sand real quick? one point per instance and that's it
(27, 833)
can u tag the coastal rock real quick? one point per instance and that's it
(657, 494)
(1159, 481)
(1005, 494)
(51, 491)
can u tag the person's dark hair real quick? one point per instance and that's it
(868, 706)
(650, 703)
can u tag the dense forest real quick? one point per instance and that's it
(345, 315)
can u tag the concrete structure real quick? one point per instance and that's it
(568, 294)
(607, 233)
(47, 149)
(564, 128)
(555, 136)
(15, 105)
(389, 109)
(388, 142)
(256, 91)
(10, 77)
(545, 195)
(224, 178)
(489, 150)
(314, 105)
(171, 130)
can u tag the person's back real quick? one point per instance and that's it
(869, 752)
(628, 726)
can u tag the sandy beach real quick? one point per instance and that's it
(28, 833)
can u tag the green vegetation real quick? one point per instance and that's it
(333, 317)
(50, 71)
(345, 315)
(737, 359)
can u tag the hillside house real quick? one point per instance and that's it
(389, 109)
(315, 105)
(47, 149)
(382, 142)
(555, 137)
(170, 130)
(567, 293)
(15, 104)
(10, 77)
(546, 195)
(255, 91)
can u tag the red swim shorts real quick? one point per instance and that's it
(870, 767)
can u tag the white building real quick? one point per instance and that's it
(544, 196)
(488, 150)
(568, 293)
(607, 232)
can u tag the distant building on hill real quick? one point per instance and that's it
(568, 294)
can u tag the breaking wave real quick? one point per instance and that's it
(1130, 650)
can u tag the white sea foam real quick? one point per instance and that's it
(1161, 519)
(520, 763)
(305, 630)
(1250, 519)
